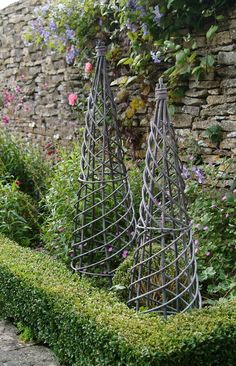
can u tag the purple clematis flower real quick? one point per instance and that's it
(155, 57)
(157, 14)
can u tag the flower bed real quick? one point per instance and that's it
(87, 326)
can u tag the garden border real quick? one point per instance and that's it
(87, 326)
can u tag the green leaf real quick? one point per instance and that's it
(211, 32)
(131, 79)
(182, 55)
(125, 61)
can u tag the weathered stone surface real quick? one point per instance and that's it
(221, 110)
(204, 84)
(16, 353)
(229, 143)
(182, 120)
(194, 93)
(227, 58)
(221, 38)
(192, 101)
(192, 110)
(228, 83)
(220, 99)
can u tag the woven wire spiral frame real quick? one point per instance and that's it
(104, 224)
(163, 276)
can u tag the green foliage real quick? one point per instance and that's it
(59, 204)
(25, 333)
(214, 133)
(121, 279)
(24, 164)
(135, 176)
(18, 215)
(86, 326)
(213, 214)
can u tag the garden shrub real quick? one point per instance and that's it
(18, 215)
(213, 214)
(87, 326)
(59, 204)
(23, 163)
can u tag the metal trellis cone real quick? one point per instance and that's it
(163, 276)
(104, 225)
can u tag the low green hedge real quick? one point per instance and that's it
(86, 326)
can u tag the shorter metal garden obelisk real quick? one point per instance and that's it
(163, 276)
(104, 224)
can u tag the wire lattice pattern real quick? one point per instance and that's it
(104, 225)
(163, 276)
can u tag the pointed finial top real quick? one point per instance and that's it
(101, 49)
(161, 91)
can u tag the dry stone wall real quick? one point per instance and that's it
(44, 78)
(46, 81)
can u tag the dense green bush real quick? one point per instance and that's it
(86, 326)
(59, 204)
(23, 163)
(18, 215)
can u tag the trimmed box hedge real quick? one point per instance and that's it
(89, 327)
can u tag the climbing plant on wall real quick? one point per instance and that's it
(154, 31)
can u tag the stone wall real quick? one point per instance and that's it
(44, 78)
(46, 81)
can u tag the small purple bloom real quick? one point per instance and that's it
(132, 4)
(234, 191)
(125, 253)
(185, 172)
(46, 36)
(199, 174)
(224, 198)
(155, 57)
(44, 9)
(130, 26)
(70, 33)
(145, 29)
(196, 246)
(18, 89)
(52, 26)
(142, 10)
(71, 54)
(157, 14)
(206, 228)
(208, 254)
(110, 248)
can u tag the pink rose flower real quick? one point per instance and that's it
(72, 98)
(6, 120)
(88, 68)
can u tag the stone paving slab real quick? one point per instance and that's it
(13, 352)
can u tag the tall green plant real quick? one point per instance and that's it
(23, 163)
(18, 215)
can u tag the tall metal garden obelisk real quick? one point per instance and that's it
(104, 224)
(164, 276)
